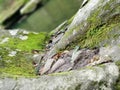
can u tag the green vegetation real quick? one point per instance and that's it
(100, 27)
(34, 41)
(95, 36)
(98, 30)
(15, 66)
(21, 63)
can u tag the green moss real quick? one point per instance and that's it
(15, 66)
(92, 23)
(95, 36)
(34, 41)
(21, 63)
(98, 27)
(100, 31)
(97, 33)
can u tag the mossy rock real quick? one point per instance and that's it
(34, 41)
(20, 63)
(92, 31)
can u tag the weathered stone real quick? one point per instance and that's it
(37, 58)
(7, 84)
(85, 79)
(56, 39)
(111, 51)
(47, 66)
(59, 63)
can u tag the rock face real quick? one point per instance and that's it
(95, 29)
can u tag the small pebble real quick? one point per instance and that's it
(23, 37)
(4, 40)
(13, 32)
(59, 63)
(25, 32)
(47, 66)
(12, 53)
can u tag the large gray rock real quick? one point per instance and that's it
(93, 78)
(7, 84)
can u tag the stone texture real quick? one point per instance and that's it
(93, 78)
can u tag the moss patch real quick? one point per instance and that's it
(97, 33)
(21, 63)
(34, 41)
(99, 25)
(15, 66)
(95, 36)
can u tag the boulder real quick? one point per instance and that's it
(90, 78)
